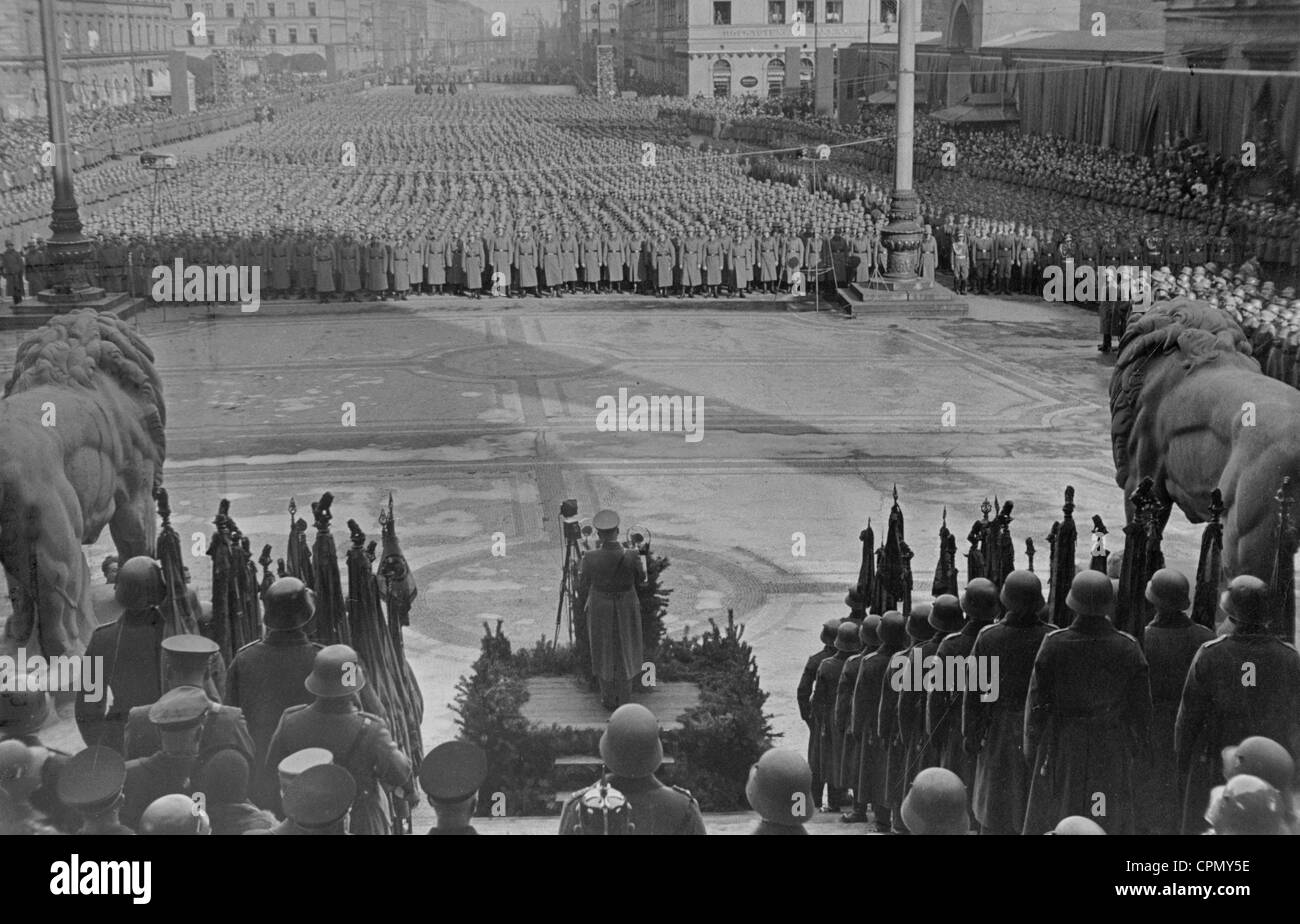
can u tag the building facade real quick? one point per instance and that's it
(459, 33)
(1259, 35)
(113, 52)
(347, 35)
(739, 47)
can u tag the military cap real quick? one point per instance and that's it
(299, 761)
(180, 708)
(92, 779)
(453, 771)
(604, 520)
(319, 796)
(189, 651)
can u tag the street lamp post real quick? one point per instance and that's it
(69, 250)
(903, 234)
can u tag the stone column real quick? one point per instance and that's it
(904, 232)
(69, 250)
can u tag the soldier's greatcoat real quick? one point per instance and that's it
(995, 731)
(131, 649)
(1086, 716)
(607, 581)
(1224, 701)
(1170, 642)
(361, 744)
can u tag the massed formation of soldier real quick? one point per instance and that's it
(1089, 731)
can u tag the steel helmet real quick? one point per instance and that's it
(780, 788)
(829, 629)
(1091, 594)
(980, 600)
(336, 672)
(945, 614)
(1246, 805)
(936, 803)
(892, 630)
(846, 637)
(867, 632)
(23, 712)
(1022, 592)
(630, 745)
(1077, 824)
(290, 604)
(1245, 600)
(174, 814)
(1169, 591)
(1261, 757)
(140, 584)
(918, 623)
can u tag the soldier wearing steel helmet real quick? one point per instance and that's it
(873, 678)
(360, 741)
(632, 751)
(936, 804)
(1242, 684)
(851, 751)
(927, 625)
(803, 696)
(943, 709)
(1089, 706)
(779, 789)
(994, 732)
(825, 689)
(1170, 641)
(131, 649)
(266, 677)
(1247, 805)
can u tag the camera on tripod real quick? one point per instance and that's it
(569, 520)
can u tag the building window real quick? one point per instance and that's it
(835, 11)
(721, 78)
(212, 36)
(189, 36)
(311, 7)
(775, 77)
(230, 11)
(189, 11)
(311, 35)
(207, 10)
(250, 8)
(776, 12)
(722, 13)
(293, 8)
(809, 10)
(270, 11)
(805, 72)
(270, 36)
(230, 36)
(889, 10)
(293, 36)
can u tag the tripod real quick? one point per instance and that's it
(568, 586)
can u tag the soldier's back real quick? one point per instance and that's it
(654, 808)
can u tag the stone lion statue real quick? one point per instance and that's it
(1191, 409)
(81, 448)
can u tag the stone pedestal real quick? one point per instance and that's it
(902, 239)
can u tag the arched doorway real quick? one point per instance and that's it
(721, 78)
(775, 77)
(959, 32)
(805, 73)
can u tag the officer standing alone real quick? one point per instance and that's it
(607, 582)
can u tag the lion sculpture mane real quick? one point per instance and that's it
(81, 448)
(1191, 409)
